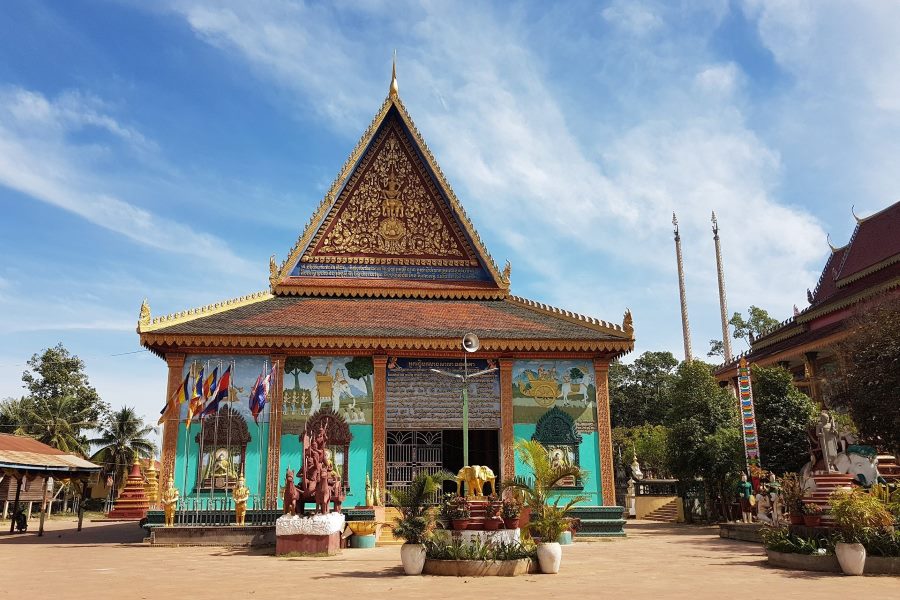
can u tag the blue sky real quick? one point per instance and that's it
(167, 149)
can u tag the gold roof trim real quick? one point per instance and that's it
(624, 331)
(327, 203)
(154, 340)
(390, 292)
(147, 323)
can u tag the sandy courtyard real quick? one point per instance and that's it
(108, 560)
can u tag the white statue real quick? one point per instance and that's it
(826, 431)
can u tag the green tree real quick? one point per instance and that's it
(648, 442)
(296, 365)
(704, 434)
(639, 392)
(12, 414)
(868, 380)
(757, 321)
(123, 434)
(57, 421)
(716, 348)
(783, 414)
(361, 367)
(55, 374)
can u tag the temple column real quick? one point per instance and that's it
(379, 432)
(175, 360)
(507, 439)
(811, 370)
(604, 432)
(273, 455)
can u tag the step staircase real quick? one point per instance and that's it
(888, 468)
(825, 486)
(386, 535)
(667, 513)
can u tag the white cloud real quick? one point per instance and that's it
(41, 157)
(718, 79)
(632, 16)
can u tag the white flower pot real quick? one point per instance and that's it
(852, 557)
(413, 558)
(549, 556)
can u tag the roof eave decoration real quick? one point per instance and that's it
(160, 341)
(279, 276)
(625, 331)
(148, 323)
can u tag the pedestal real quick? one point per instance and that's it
(318, 535)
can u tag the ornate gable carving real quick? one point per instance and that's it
(390, 212)
(224, 427)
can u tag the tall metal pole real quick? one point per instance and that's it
(723, 303)
(465, 419)
(685, 327)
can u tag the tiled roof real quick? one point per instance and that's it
(396, 318)
(826, 286)
(876, 239)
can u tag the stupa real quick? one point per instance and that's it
(151, 487)
(132, 502)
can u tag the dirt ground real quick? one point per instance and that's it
(109, 560)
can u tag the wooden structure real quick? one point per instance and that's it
(375, 296)
(24, 461)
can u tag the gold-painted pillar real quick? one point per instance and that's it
(604, 432)
(274, 449)
(811, 371)
(379, 432)
(175, 360)
(507, 440)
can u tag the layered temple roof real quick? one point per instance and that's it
(388, 260)
(866, 268)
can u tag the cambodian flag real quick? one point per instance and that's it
(220, 393)
(258, 397)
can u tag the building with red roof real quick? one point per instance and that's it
(864, 272)
(365, 317)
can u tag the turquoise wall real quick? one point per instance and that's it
(588, 456)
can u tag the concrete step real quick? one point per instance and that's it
(667, 513)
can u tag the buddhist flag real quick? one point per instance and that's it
(197, 398)
(219, 394)
(180, 396)
(210, 384)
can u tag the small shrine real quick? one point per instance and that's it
(151, 486)
(132, 503)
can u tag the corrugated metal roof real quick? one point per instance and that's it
(19, 452)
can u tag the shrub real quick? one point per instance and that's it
(858, 514)
(456, 549)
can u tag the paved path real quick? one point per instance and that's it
(107, 560)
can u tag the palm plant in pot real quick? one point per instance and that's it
(858, 515)
(548, 520)
(415, 520)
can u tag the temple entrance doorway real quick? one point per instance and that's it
(409, 451)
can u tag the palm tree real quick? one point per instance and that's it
(538, 487)
(57, 422)
(413, 503)
(122, 436)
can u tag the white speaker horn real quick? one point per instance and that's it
(470, 342)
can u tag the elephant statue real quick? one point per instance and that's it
(475, 477)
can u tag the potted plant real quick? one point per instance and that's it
(509, 512)
(793, 487)
(812, 514)
(415, 520)
(547, 520)
(858, 515)
(459, 513)
(492, 521)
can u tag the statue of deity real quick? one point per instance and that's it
(826, 431)
(169, 501)
(240, 494)
(220, 465)
(369, 500)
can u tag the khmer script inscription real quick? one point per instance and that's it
(419, 398)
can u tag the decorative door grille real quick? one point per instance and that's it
(409, 452)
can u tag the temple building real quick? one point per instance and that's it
(365, 317)
(864, 272)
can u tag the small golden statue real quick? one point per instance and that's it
(240, 494)
(369, 497)
(169, 501)
(376, 495)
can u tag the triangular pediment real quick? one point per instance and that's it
(390, 221)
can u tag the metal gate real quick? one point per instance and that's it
(409, 452)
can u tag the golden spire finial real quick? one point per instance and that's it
(828, 241)
(395, 89)
(853, 212)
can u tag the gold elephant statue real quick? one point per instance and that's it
(475, 477)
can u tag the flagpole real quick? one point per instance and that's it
(259, 477)
(228, 436)
(178, 418)
(212, 485)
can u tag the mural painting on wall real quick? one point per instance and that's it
(219, 389)
(341, 383)
(539, 385)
